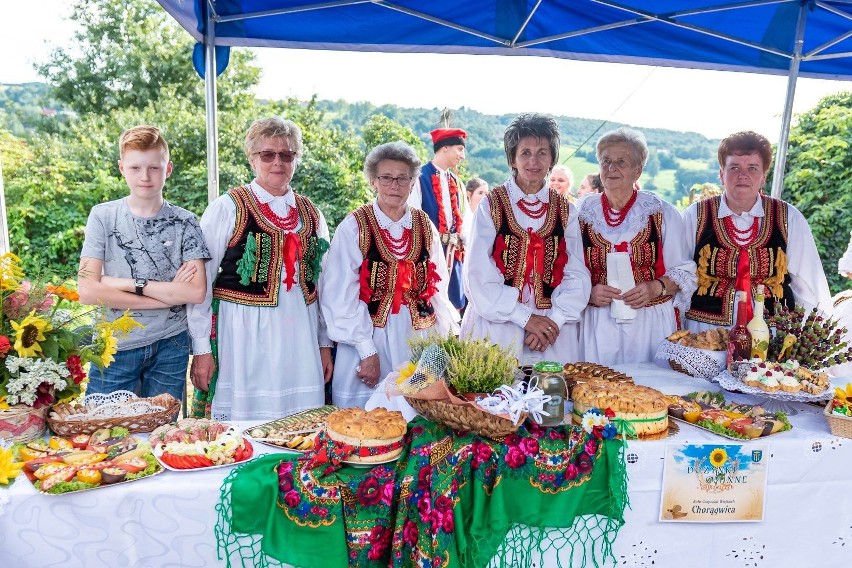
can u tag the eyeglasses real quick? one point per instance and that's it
(268, 156)
(607, 164)
(387, 181)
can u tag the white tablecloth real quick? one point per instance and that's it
(167, 520)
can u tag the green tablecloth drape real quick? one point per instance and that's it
(452, 499)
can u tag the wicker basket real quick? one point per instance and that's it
(839, 425)
(140, 423)
(22, 423)
(466, 417)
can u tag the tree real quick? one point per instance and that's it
(127, 54)
(817, 178)
(380, 129)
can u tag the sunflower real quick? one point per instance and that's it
(9, 469)
(29, 333)
(718, 457)
(110, 343)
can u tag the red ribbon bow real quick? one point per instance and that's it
(292, 254)
(743, 282)
(404, 281)
(535, 256)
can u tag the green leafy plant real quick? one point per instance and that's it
(479, 366)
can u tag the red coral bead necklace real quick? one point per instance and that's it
(742, 238)
(612, 217)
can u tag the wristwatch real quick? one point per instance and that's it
(663, 291)
(140, 283)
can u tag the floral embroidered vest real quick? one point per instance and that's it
(251, 267)
(716, 258)
(523, 256)
(646, 253)
(386, 282)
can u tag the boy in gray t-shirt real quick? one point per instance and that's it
(145, 255)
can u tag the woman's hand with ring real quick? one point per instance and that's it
(643, 293)
(369, 370)
(543, 328)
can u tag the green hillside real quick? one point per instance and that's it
(676, 160)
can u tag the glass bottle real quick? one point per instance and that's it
(739, 339)
(758, 328)
(551, 381)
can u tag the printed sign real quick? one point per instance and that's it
(714, 483)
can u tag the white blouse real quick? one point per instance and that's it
(495, 310)
(609, 342)
(349, 321)
(268, 357)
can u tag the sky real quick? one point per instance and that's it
(712, 103)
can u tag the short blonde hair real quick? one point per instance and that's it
(273, 127)
(142, 137)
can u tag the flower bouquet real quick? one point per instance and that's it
(47, 340)
(467, 385)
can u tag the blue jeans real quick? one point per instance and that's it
(147, 371)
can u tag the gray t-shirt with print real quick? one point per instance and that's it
(139, 247)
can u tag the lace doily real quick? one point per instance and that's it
(701, 363)
(647, 204)
(731, 383)
(116, 404)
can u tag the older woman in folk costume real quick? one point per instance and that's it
(524, 273)
(261, 351)
(386, 279)
(440, 193)
(744, 238)
(633, 246)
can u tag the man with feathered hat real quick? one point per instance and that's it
(440, 193)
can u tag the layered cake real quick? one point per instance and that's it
(375, 435)
(644, 409)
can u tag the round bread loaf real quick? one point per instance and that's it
(376, 435)
(646, 409)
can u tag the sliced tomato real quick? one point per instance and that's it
(202, 461)
(133, 465)
(171, 460)
(244, 452)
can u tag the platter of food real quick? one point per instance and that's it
(702, 354)
(199, 444)
(294, 433)
(786, 381)
(710, 411)
(106, 457)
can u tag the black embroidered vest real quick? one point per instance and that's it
(716, 256)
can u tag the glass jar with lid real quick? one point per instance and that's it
(548, 374)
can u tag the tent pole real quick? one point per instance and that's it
(781, 151)
(4, 228)
(210, 106)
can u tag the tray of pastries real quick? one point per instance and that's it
(581, 372)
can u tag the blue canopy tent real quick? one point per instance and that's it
(796, 38)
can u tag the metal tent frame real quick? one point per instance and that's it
(809, 38)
